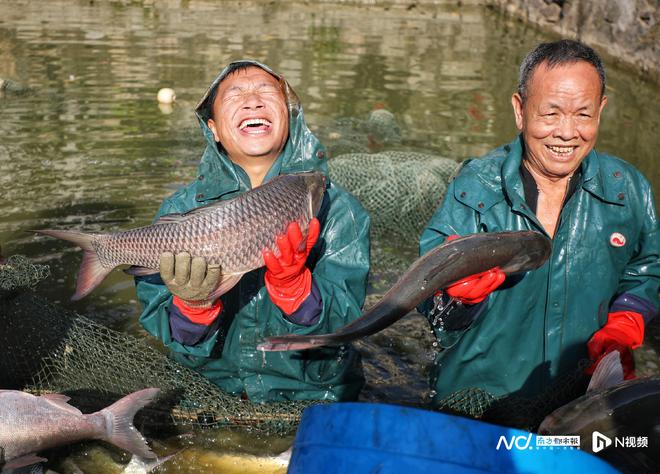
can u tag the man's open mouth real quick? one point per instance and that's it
(255, 125)
(561, 151)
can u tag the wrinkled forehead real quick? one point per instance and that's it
(578, 76)
(251, 77)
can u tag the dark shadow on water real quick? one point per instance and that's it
(29, 333)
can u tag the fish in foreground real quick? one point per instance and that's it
(29, 424)
(611, 406)
(513, 252)
(231, 233)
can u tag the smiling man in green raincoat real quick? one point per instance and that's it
(600, 286)
(254, 127)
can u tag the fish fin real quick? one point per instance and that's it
(92, 272)
(138, 464)
(140, 271)
(56, 397)
(608, 373)
(60, 401)
(284, 458)
(23, 461)
(226, 284)
(294, 342)
(124, 434)
(175, 218)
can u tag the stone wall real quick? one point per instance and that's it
(626, 30)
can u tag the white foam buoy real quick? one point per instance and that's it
(166, 95)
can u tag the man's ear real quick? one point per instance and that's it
(517, 103)
(214, 131)
(603, 103)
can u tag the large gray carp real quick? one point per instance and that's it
(231, 233)
(29, 424)
(513, 252)
(612, 406)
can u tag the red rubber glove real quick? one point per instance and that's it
(624, 331)
(288, 280)
(475, 288)
(199, 314)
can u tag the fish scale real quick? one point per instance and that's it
(231, 233)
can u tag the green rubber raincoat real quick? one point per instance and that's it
(535, 327)
(339, 263)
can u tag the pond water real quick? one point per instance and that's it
(84, 143)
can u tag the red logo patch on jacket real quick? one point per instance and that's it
(617, 240)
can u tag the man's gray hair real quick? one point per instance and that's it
(556, 54)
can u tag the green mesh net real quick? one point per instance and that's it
(378, 130)
(50, 349)
(18, 272)
(382, 128)
(518, 412)
(399, 189)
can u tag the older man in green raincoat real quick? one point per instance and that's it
(254, 127)
(600, 285)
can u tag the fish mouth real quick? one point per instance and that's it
(255, 126)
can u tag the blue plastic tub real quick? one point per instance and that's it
(375, 438)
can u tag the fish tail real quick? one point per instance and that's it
(120, 417)
(92, 272)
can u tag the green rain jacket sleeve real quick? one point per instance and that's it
(451, 218)
(639, 282)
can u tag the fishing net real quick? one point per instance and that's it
(400, 190)
(517, 412)
(47, 348)
(50, 349)
(357, 135)
(18, 272)
(382, 128)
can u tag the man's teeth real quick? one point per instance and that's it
(562, 150)
(248, 122)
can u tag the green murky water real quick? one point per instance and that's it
(88, 146)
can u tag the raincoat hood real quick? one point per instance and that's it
(302, 151)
